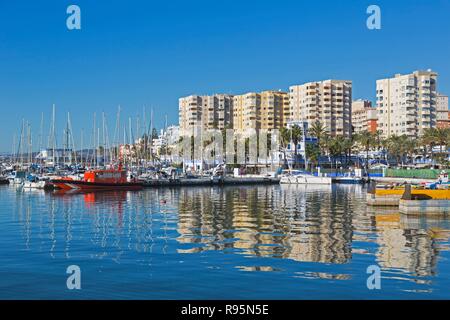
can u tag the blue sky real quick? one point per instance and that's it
(148, 53)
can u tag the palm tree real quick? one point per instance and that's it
(429, 139)
(441, 136)
(348, 144)
(317, 130)
(336, 147)
(410, 147)
(313, 154)
(399, 146)
(285, 137)
(296, 136)
(378, 139)
(367, 140)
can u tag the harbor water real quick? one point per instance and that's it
(236, 242)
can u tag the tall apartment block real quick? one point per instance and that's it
(329, 102)
(407, 103)
(364, 116)
(207, 112)
(266, 110)
(442, 113)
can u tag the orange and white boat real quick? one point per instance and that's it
(110, 179)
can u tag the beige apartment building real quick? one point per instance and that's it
(329, 102)
(364, 116)
(407, 103)
(207, 112)
(442, 113)
(266, 110)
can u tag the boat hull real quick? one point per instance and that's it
(84, 185)
(348, 180)
(34, 185)
(306, 180)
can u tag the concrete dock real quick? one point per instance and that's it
(208, 181)
(424, 207)
(383, 200)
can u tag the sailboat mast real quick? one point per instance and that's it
(94, 134)
(41, 134)
(151, 134)
(98, 144)
(116, 141)
(130, 140)
(54, 136)
(13, 153)
(104, 137)
(30, 145)
(82, 145)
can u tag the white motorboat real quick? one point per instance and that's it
(298, 177)
(34, 184)
(17, 177)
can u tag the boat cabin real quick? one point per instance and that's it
(105, 176)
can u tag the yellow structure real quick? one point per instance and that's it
(432, 194)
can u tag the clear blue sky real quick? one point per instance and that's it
(137, 53)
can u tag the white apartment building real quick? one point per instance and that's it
(407, 103)
(329, 102)
(167, 139)
(442, 113)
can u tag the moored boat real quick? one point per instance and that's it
(348, 180)
(298, 177)
(110, 179)
(34, 182)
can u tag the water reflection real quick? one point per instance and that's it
(409, 243)
(294, 222)
(302, 224)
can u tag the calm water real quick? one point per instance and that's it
(275, 242)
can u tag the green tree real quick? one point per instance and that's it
(367, 141)
(285, 138)
(313, 154)
(336, 147)
(296, 136)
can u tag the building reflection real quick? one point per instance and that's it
(409, 243)
(328, 225)
(305, 224)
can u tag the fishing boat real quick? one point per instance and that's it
(109, 179)
(298, 177)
